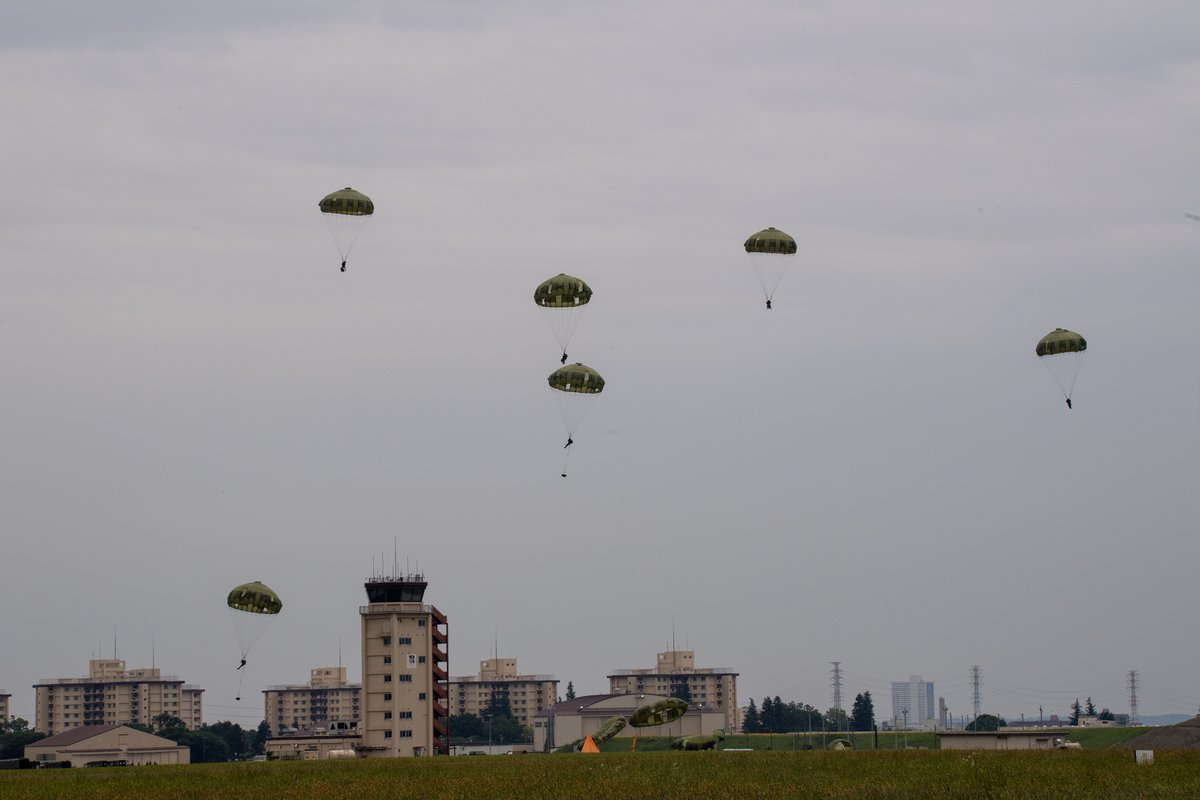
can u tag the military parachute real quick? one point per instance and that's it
(703, 741)
(562, 299)
(659, 713)
(346, 211)
(575, 388)
(253, 606)
(771, 251)
(1062, 352)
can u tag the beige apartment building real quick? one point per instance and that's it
(676, 675)
(405, 693)
(498, 679)
(113, 695)
(4, 714)
(325, 699)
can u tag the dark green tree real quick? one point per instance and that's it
(468, 728)
(682, 691)
(570, 690)
(1090, 709)
(862, 715)
(1106, 715)
(1076, 712)
(15, 734)
(750, 721)
(836, 720)
(165, 722)
(986, 722)
(261, 735)
(497, 706)
(206, 746)
(234, 737)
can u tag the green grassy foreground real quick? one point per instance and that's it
(925, 774)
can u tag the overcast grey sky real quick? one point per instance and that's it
(877, 471)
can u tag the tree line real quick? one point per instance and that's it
(221, 741)
(776, 716)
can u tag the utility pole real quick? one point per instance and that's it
(976, 680)
(1133, 714)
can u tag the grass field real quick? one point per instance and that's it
(858, 774)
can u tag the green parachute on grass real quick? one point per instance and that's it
(704, 741)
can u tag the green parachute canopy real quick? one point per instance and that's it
(771, 240)
(611, 727)
(346, 212)
(763, 248)
(562, 291)
(347, 201)
(576, 379)
(254, 598)
(1061, 340)
(562, 299)
(659, 713)
(1062, 352)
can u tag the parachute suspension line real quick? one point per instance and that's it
(241, 677)
(566, 456)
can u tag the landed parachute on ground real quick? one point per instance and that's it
(659, 713)
(1062, 352)
(575, 388)
(253, 606)
(562, 299)
(346, 211)
(611, 727)
(703, 741)
(771, 251)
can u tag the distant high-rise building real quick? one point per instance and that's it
(113, 695)
(498, 681)
(326, 698)
(404, 691)
(912, 703)
(4, 706)
(676, 675)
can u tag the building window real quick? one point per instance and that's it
(405, 715)
(421, 696)
(405, 678)
(387, 734)
(387, 678)
(387, 715)
(421, 659)
(387, 659)
(387, 640)
(387, 697)
(404, 640)
(405, 734)
(420, 623)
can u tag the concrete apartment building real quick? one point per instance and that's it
(912, 704)
(405, 693)
(527, 695)
(676, 671)
(4, 706)
(327, 697)
(113, 695)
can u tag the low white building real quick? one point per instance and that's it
(569, 720)
(1004, 739)
(95, 744)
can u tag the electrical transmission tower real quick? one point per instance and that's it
(836, 680)
(1133, 715)
(976, 682)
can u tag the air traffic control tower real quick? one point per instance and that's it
(405, 670)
